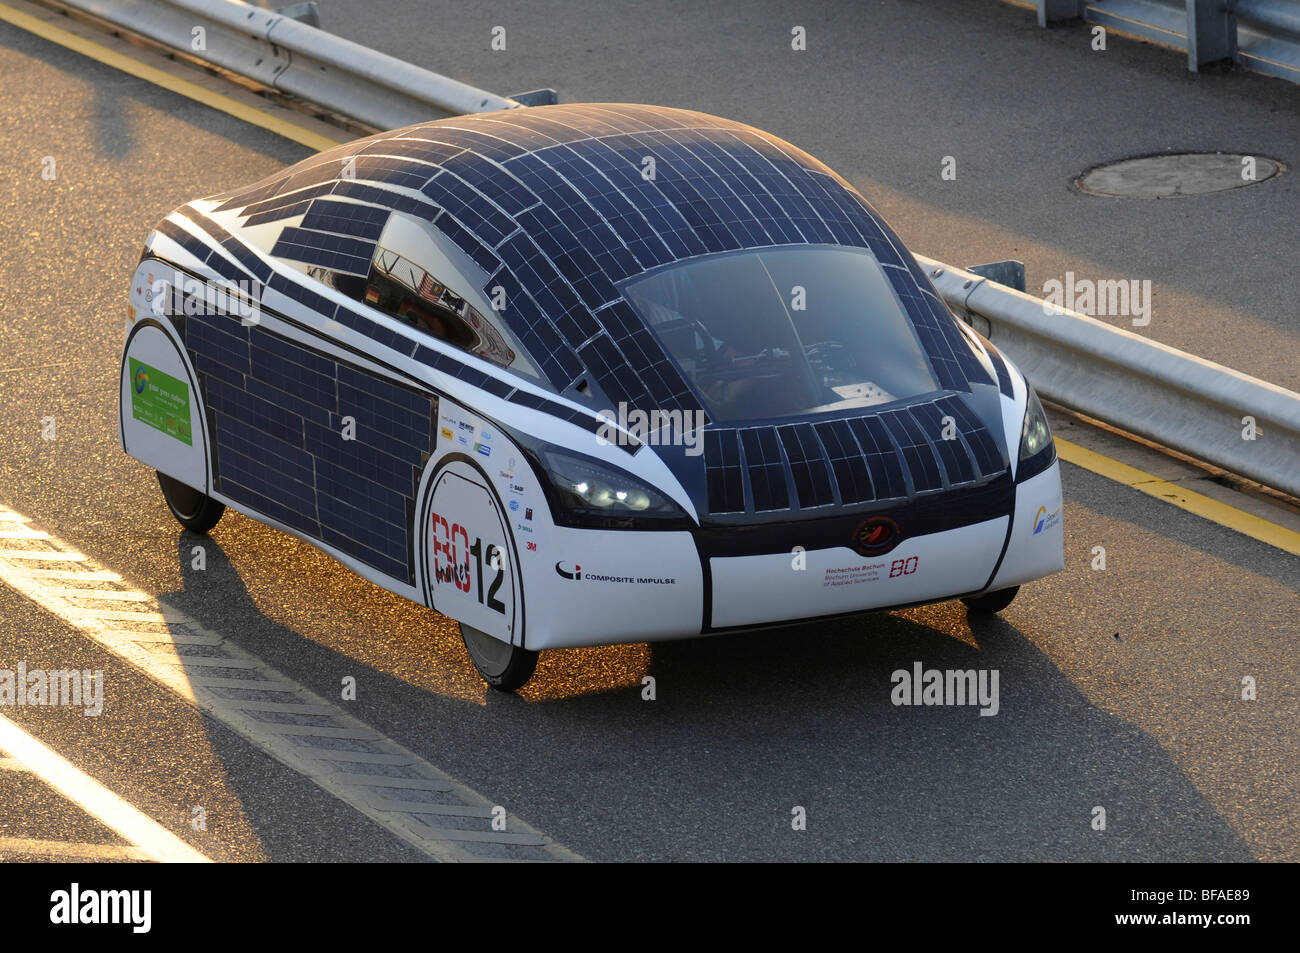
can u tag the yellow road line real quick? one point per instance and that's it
(151, 74)
(142, 831)
(1248, 524)
(1253, 526)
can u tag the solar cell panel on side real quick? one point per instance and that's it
(944, 433)
(848, 463)
(723, 474)
(765, 468)
(808, 465)
(918, 453)
(346, 218)
(983, 447)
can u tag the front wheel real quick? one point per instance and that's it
(196, 511)
(990, 602)
(504, 666)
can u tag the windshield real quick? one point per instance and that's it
(785, 331)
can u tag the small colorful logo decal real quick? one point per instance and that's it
(160, 401)
(446, 434)
(514, 506)
(575, 574)
(1045, 520)
(485, 450)
(528, 512)
(876, 535)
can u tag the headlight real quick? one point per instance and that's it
(588, 492)
(1037, 450)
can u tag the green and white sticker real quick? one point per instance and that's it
(161, 401)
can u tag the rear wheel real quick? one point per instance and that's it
(990, 602)
(504, 666)
(196, 511)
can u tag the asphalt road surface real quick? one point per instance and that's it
(1119, 688)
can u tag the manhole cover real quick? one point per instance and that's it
(1172, 176)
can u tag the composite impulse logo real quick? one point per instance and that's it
(658, 428)
(57, 687)
(178, 293)
(930, 686)
(104, 907)
(575, 572)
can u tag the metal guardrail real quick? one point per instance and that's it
(1147, 388)
(1261, 35)
(1168, 396)
(294, 57)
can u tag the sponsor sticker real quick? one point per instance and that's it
(576, 573)
(870, 572)
(161, 401)
(1044, 520)
(876, 536)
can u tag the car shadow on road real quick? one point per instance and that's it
(745, 729)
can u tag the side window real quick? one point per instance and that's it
(403, 288)
(419, 276)
(416, 274)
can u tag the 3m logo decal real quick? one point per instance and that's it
(161, 401)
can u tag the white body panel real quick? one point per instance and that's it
(620, 586)
(750, 590)
(559, 586)
(160, 410)
(1037, 546)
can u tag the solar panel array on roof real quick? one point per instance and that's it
(559, 204)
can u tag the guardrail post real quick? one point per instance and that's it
(1058, 11)
(1211, 32)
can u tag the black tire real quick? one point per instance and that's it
(196, 511)
(990, 602)
(503, 666)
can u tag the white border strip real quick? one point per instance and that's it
(144, 833)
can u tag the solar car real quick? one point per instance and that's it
(586, 374)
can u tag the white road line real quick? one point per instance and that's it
(152, 839)
(12, 764)
(76, 575)
(341, 754)
(56, 848)
(41, 555)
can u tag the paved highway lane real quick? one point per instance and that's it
(1118, 688)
